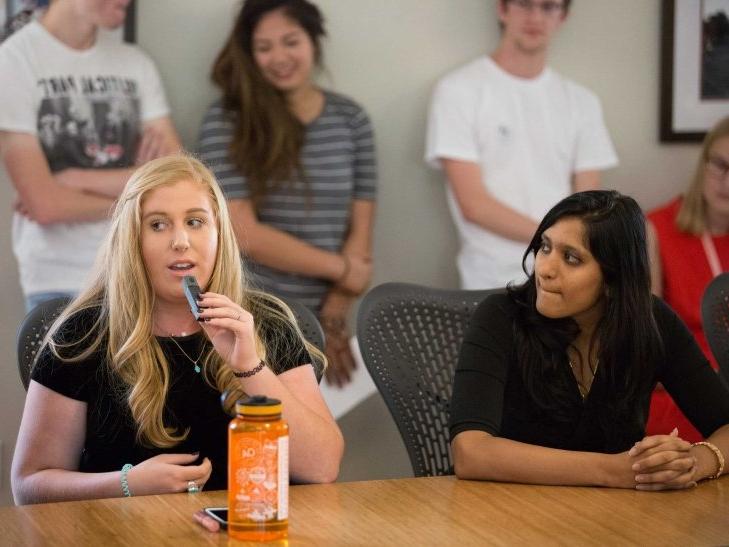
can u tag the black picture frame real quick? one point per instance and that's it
(130, 24)
(685, 114)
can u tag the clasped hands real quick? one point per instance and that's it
(661, 462)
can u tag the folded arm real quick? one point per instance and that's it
(42, 197)
(277, 249)
(159, 139)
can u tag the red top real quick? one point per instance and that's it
(686, 274)
(686, 270)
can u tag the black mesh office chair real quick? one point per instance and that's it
(34, 327)
(715, 319)
(410, 337)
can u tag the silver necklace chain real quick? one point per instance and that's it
(193, 361)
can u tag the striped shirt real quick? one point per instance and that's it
(338, 160)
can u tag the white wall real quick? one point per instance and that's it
(387, 54)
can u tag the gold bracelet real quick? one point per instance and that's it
(719, 457)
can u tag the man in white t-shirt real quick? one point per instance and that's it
(79, 110)
(513, 137)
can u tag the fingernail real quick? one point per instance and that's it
(639, 478)
(632, 452)
(675, 431)
(635, 467)
(195, 453)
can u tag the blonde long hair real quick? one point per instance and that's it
(691, 216)
(121, 292)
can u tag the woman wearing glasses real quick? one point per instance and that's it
(688, 247)
(554, 378)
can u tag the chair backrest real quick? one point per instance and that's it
(33, 330)
(410, 337)
(715, 319)
(35, 325)
(308, 323)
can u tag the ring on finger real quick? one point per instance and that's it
(192, 487)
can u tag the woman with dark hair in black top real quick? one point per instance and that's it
(554, 379)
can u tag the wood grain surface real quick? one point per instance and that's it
(420, 511)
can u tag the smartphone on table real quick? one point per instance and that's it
(219, 514)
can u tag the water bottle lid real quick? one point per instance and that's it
(258, 405)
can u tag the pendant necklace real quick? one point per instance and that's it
(193, 361)
(582, 388)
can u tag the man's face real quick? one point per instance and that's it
(529, 25)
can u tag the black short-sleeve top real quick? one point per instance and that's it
(489, 393)
(191, 402)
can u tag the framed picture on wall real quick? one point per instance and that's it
(694, 68)
(15, 14)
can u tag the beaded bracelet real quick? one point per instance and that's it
(249, 373)
(719, 458)
(124, 484)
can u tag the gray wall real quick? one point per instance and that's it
(387, 54)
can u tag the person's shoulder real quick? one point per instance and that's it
(496, 306)
(663, 313)
(343, 105)
(78, 325)
(465, 84)
(666, 211)
(465, 74)
(20, 42)
(216, 111)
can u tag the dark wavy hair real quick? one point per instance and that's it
(627, 337)
(267, 137)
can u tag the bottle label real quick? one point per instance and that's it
(283, 477)
(261, 477)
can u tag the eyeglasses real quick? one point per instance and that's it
(717, 167)
(548, 8)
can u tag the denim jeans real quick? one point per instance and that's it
(32, 300)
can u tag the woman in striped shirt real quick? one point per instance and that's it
(297, 165)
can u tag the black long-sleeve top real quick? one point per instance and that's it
(489, 393)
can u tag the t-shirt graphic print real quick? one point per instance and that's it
(88, 122)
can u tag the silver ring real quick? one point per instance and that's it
(192, 487)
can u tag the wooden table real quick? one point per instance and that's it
(424, 511)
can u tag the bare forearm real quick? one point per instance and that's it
(316, 444)
(67, 205)
(502, 220)
(504, 460)
(52, 485)
(359, 236)
(107, 183)
(277, 249)
(480, 207)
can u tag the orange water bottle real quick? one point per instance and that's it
(258, 471)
